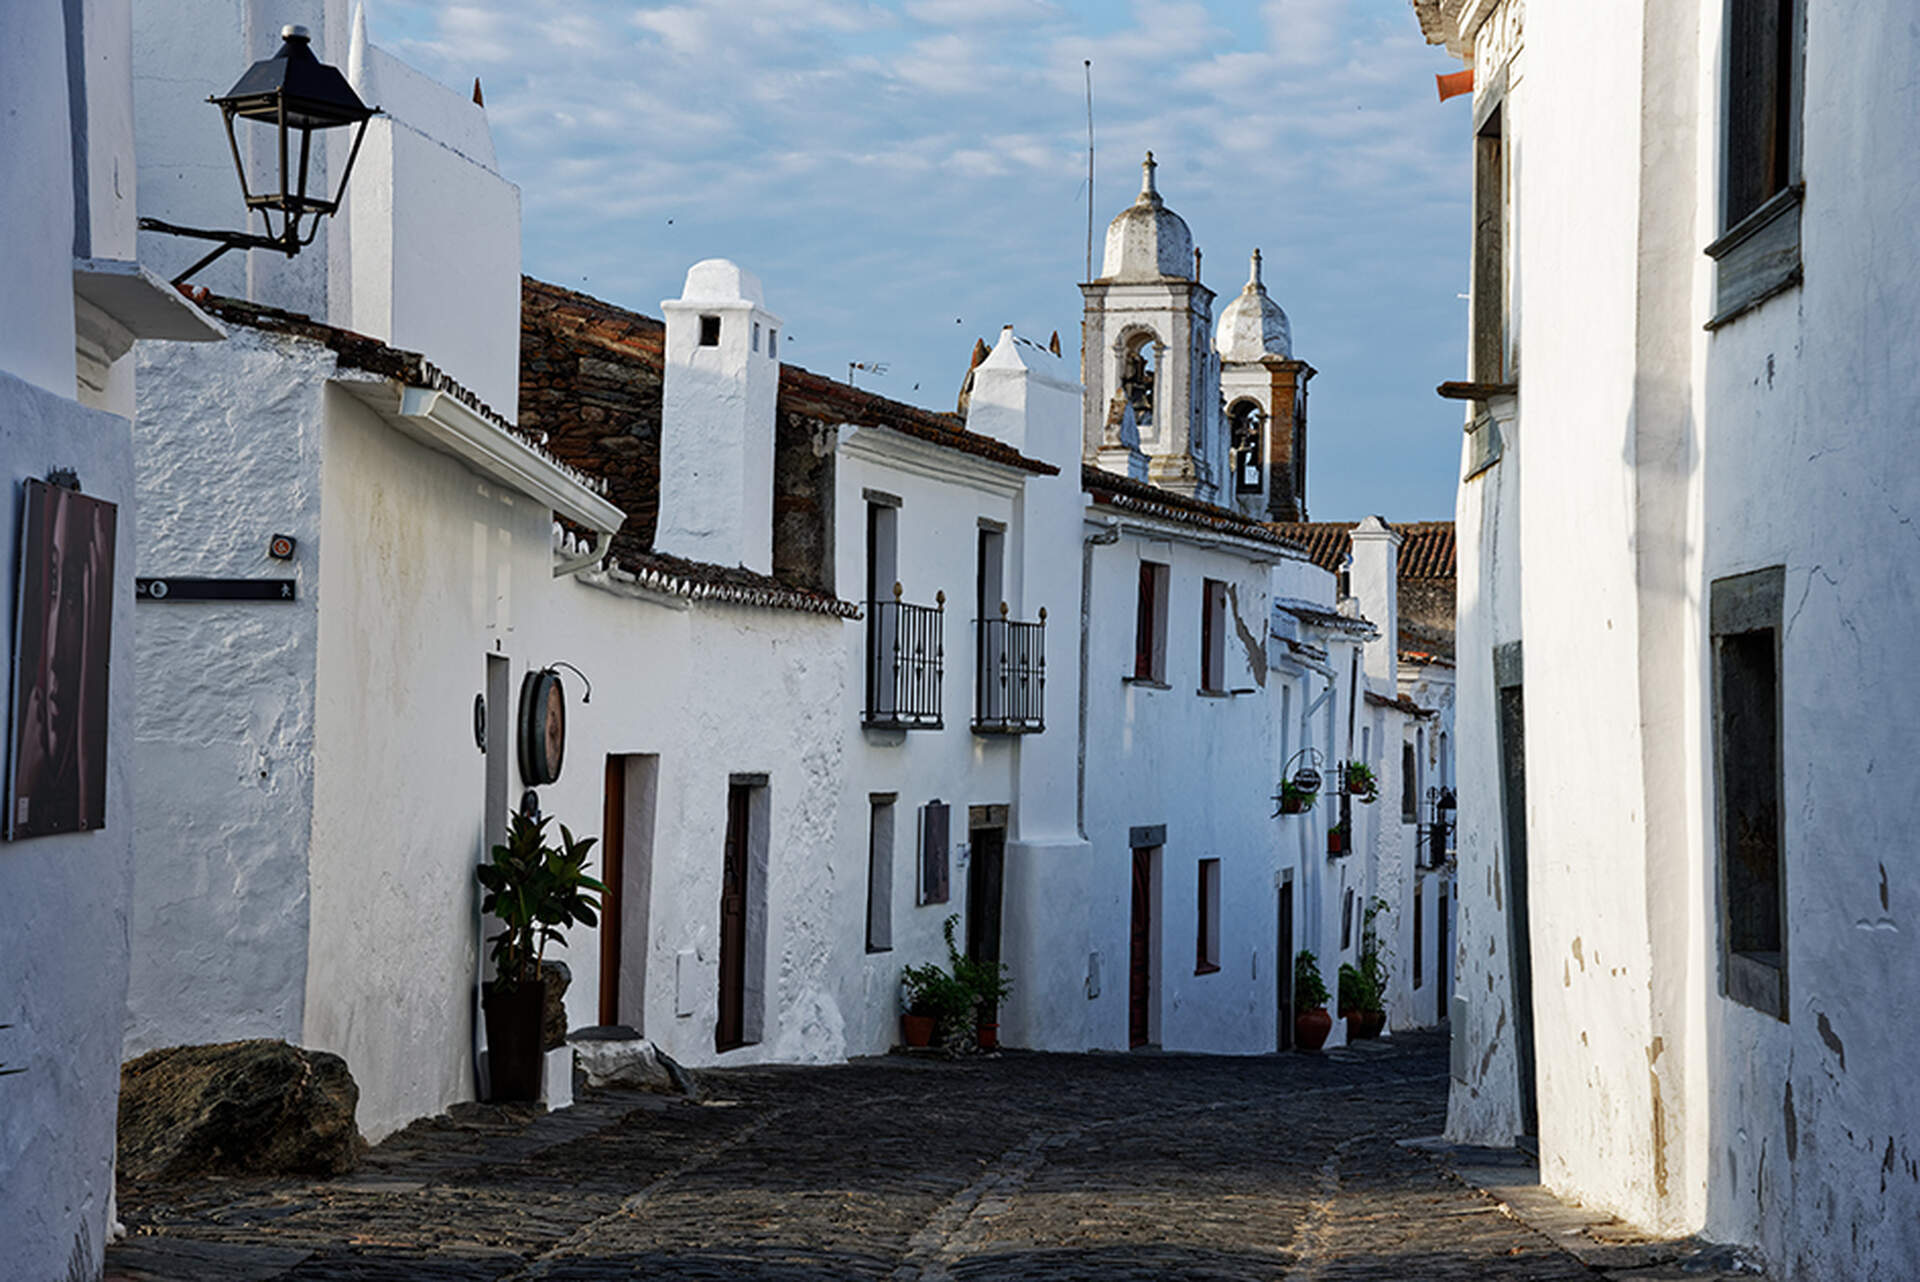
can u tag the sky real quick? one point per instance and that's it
(906, 177)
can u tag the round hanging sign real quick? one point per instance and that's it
(543, 727)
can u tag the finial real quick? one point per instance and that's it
(1196, 262)
(1147, 189)
(1003, 609)
(898, 591)
(1253, 277)
(478, 101)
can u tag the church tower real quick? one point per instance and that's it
(1152, 402)
(1265, 391)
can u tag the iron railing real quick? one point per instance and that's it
(1010, 675)
(906, 658)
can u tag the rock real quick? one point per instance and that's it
(257, 1107)
(615, 1055)
(553, 1027)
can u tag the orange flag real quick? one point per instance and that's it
(1455, 84)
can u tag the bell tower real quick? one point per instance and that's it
(1264, 392)
(1152, 382)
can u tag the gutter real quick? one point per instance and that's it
(1108, 533)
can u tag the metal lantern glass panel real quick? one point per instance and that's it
(295, 94)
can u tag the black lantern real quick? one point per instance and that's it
(295, 94)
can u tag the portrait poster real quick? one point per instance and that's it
(63, 631)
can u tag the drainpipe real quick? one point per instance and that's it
(1108, 534)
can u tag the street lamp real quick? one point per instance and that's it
(295, 94)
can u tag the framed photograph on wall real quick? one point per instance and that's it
(63, 632)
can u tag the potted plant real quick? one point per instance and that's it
(1338, 838)
(536, 890)
(1360, 1003)
(1312, 1024)
(985, 984)
(1294, 800)
(1373, 968)
(1361, 785)
(933, 998)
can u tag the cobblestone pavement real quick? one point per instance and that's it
(1018, 1166)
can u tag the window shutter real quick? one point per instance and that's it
(1143, 626)
(1209, 679)
(933, 852)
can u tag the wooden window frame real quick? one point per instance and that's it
(1206, 934)
(1213, 636)
(1762, 189)
(1150, 624)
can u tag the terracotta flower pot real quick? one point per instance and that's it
(1365, 1024)
(988, 1036)
(514, 1039)
(1310, 1028)
(916, 1030)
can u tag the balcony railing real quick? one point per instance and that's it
(1010, 675)
(906, 658)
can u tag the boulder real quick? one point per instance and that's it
(616, 1055)
(257, 1107)
(553, 1027)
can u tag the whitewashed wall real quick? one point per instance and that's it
(709, 691)
(1201, 766)
(943, 497)
(229, 445)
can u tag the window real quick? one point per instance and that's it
(1206, 939)
(1490, 357)
(906, 654)
(1245, 421)
(709, 331)
(880, 873)
(1759, 249)
(1419, 937)
(1150, 624)
(756, 336)
(773, 343)
(1409, 785)
(1213, 637)
(1346, 920)
(934, 817)
(1748, 779)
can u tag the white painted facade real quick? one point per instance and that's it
(76, 301)
(1671, 458)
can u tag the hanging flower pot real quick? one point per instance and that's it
(1361, 784)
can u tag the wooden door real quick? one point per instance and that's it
(1283, 965)
(1513, 797)
(1140, 968)
(730, 1031)
(613, 863)
(986, 875)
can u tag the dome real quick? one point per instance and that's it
(1147, 241)
(1252, 325)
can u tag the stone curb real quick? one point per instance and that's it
(1610, 1246)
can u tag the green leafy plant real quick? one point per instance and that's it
(1294, 799)
(537, 891)
(934, 993)
(1358, 992)
(1361, 784)
(1374, 954)
(985, 982)
(1309, 990)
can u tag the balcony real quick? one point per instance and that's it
(1010, 675)
(906, 658)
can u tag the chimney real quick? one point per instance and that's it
(721, 385)
(1374, 583)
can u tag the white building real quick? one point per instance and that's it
(76, 301)
(1684, 937)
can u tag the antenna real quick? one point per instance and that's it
(1089, 69)
(872, 367)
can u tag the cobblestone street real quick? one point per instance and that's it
(1016, 1166)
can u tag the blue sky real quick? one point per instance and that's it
(906, 177)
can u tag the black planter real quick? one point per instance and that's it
(514, 1054)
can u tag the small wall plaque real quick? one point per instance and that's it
(213, 589)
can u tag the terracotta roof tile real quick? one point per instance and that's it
(1426, 553)
(1112, 490)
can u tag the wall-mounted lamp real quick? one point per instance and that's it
(297, 95)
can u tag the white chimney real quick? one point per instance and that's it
(1374, 583)
(721, 386)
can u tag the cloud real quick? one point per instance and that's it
(888, 168)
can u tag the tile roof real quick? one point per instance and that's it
(1426, 553)
(826, 400)
(701, 581)
(1402, 703)
(1109, 489)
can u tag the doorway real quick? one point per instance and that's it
(1283, 965)
(1140, 985)
(730, 1031)
(1513, 804)
(986, 879)
(626, 844)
